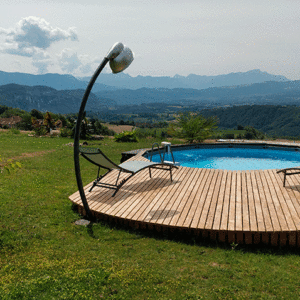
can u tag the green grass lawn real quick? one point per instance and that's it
(43, 255)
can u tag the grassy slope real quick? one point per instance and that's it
(43, 255)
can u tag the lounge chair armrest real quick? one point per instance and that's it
(288, 169)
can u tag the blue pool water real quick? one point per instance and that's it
(234, 158)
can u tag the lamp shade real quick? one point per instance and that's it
(122, 61)
(115, 50)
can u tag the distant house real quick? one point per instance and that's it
(10, 122)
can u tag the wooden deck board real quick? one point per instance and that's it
(140, 204)
(286, 203)
(231, 215)
(172, 206)
(188, 211)
(208, 197)
(99, 197)
(191, 215)
(265, 209)
(278, 209)
(128, 198)
(252, 213)
(257, 203)
(225, 212)
(273, 189)
(163, 196)
(142, 192)
(219, 207)
(293, 194)
(201, 199)
(288, 208)
(179, 220)
(245, 203)
(294, 188)
(238, 207)
(282, 201)
(183, 200)
(213, 204)
(156, 211)
(107, 203)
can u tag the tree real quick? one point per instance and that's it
(36, 114)
(252, 133)
(26, 123)
(192, 127)
(48, 122)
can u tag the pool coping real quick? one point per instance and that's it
(257, 145)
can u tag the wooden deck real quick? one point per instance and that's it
(231, 206)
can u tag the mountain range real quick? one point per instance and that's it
(108, 82)
(63, 93)
(191, 81)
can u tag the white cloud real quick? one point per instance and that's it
(72, 63)
(31, 37)
(69, 60)
(32, 34)
(42, 61)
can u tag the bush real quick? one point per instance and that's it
(101, 129)
(40, 130)
(14, 131)
(126, 136)
(252, 133)
(26, 123)
(65, 132)
(228, 136)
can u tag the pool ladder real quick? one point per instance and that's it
(166, 147)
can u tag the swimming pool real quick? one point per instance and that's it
(235, 158)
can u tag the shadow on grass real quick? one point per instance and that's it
(90, 231)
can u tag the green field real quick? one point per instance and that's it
(44, 255)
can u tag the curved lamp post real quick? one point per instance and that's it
(119, 58)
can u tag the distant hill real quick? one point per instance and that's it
(47, 99)
(191, 81)
(260, 93)
(273, 120)
(56, 81)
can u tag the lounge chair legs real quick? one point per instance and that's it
(121, 184)
(94, 184)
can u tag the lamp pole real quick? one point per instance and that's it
(120, 57)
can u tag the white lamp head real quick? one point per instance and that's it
(115, 50)
(120, 57)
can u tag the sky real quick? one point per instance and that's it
(168, 37)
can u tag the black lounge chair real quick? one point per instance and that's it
(98, 158)
(288, 172)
